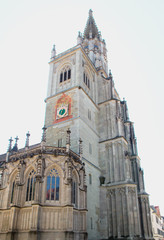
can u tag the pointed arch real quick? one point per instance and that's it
(30, 184)
(12, 186)
(74, 189)
(53, 183)
(65, 72)
(87, 77)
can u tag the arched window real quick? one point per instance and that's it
(86, 80)
(61, 77)
(90, 179)
(30, 190)
(74, 191)
(53, 186)
(65, 74)
(12, 192)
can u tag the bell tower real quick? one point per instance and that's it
(82, 97)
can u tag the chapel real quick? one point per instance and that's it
(84, 179)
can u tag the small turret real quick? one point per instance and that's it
(27, 140)
(15, 148)
(79, 38)
(44, 135)
(10, 145)
(53, 52)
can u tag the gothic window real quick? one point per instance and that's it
(61, 77)
(90, 148)
(74, 191)
(60, 142)
(53, 186)
(12, 192)
(91, 223)
(90, 179)
(65, 74)
(30, 190)
(86, 80)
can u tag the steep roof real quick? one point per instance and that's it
(91, 27)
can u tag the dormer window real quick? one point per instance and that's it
(65, 74)
(86, 80)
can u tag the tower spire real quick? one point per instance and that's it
(91, 30)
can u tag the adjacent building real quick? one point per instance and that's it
(157, 223)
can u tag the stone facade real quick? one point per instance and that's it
(43, 195)
(81, 97)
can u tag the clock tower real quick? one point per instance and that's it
(81, 96)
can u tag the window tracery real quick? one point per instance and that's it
(30, 189)
(53, 185)
(65, 74)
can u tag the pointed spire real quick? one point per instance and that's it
(27, 140)
(15, 148)
(44, 134)
(53, 52)
(91, 30)
(79, 38)
(10, 145)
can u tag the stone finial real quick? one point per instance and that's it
(90, 12)
(110, 75)
(10, 145)
(68, 140)
(53, 52)
(27, 140)
(44, 134)
(15, 148)
(80, 148)
(79, 38)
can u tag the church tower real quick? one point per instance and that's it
(84, 179)
(82, 97)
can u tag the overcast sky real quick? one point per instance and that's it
(134, 34)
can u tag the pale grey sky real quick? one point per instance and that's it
(134, 34)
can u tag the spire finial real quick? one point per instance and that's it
(110, 75)
(15, 148)
(10, 145)
(44, 134)
(91, 30)
(27, 140)
(53, 52)
(90, 12)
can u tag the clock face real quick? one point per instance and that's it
(62, 112)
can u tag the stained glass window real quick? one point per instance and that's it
(30, 190)
(53, 186)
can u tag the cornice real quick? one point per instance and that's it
(43, 150)
(114, 140)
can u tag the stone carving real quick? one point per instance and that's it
(131, 190)
(110, 193)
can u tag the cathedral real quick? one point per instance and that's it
(84, 179)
